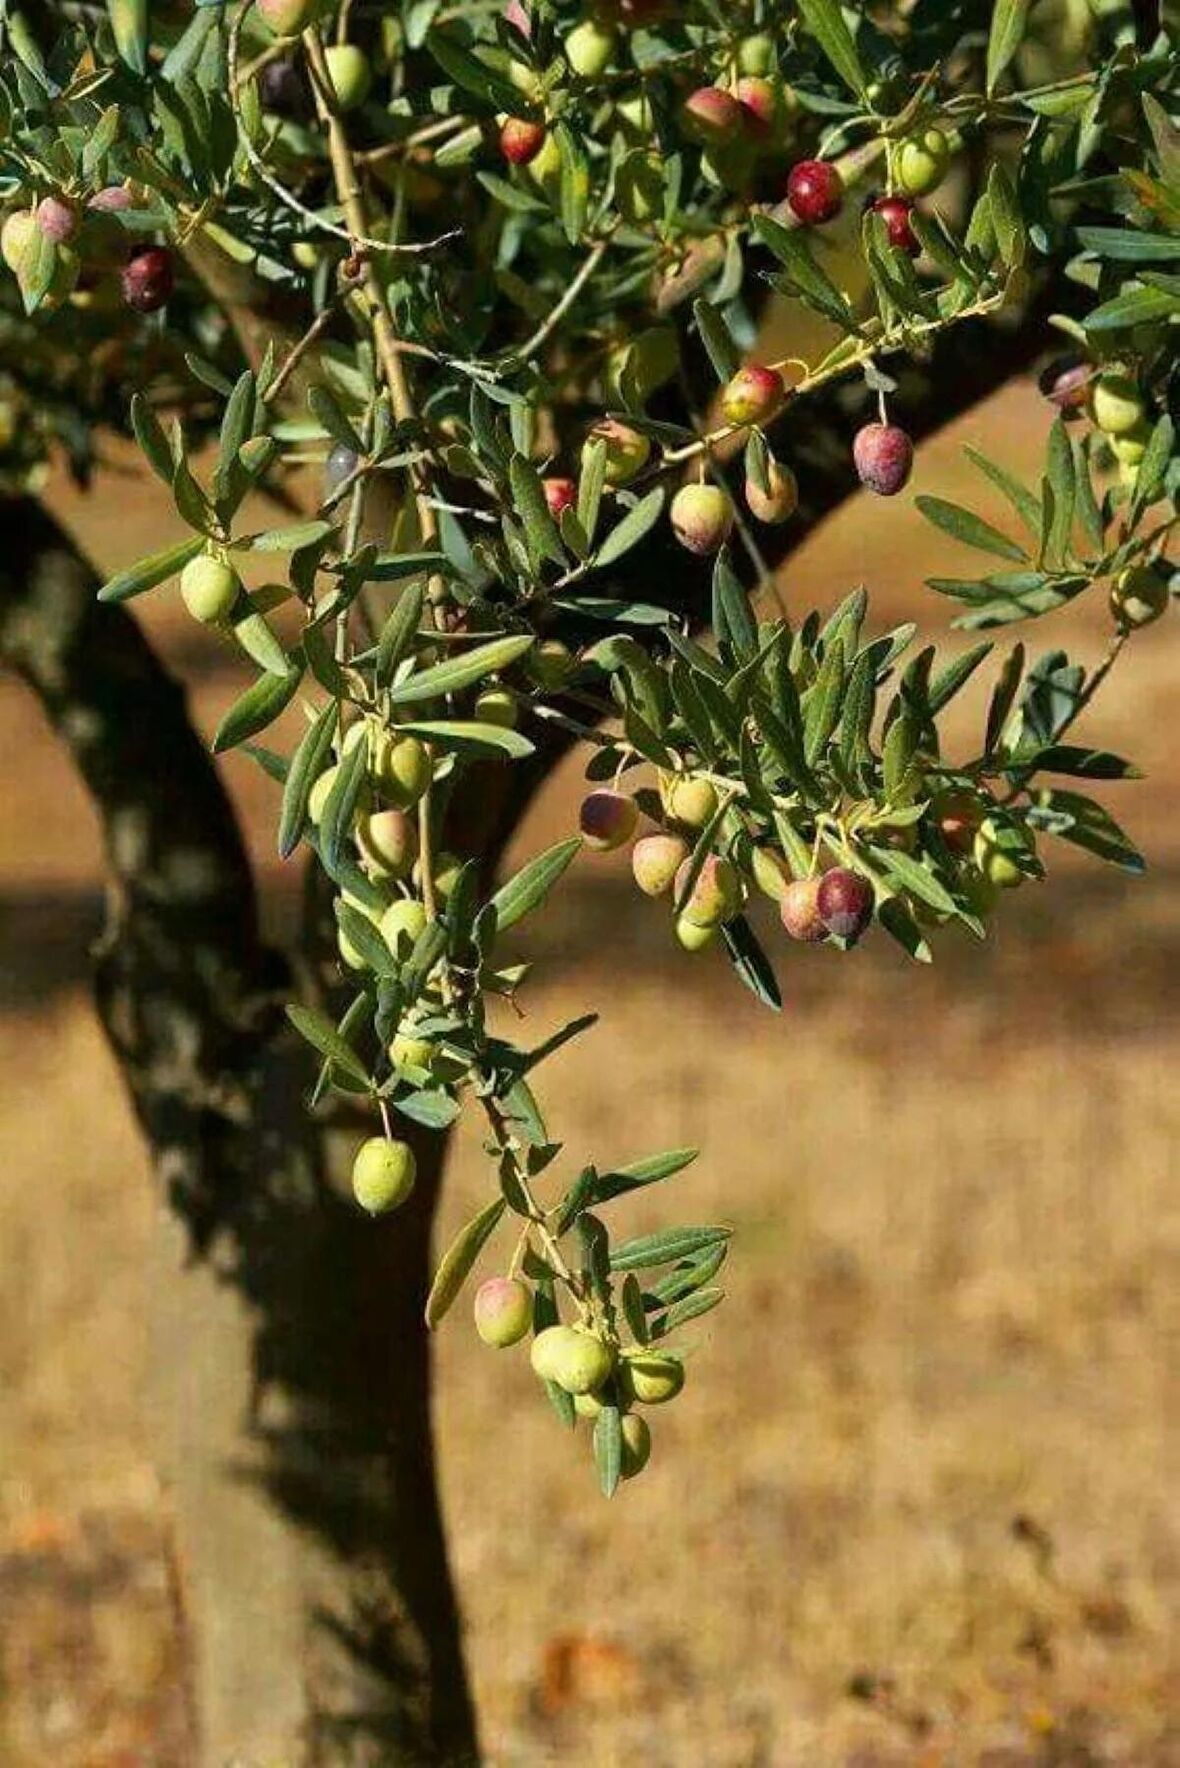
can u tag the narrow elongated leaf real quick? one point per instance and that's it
(1135, 306)
(722, 352)
(1129, 245)
(633, 1309)
(292, 539)
(1003, 698)
(1023, 501)
(859, 702)
(802, 273)
(640, 1173)
(454, 674)
(475, 77)
(1088, 825)
(254, 634)
(153, 443)
(237, 426)
(532, 884)
(358, 931)
(461, 734)
(590, 487)
(1006, 216)
(319, 1031)
(608, 1449)
(541, 531)
(458, 1260)
(630, 531)
(664, 1248)
(306, 766)
(259, 706)
(750, 962)
(1085, 764)
(575, 183)
(691, 1308)
(971, 529)
(690, 1274)
(824, 700)
(733, 618)
(398, 632)
(948, 681)
(150, 572)
(1009, 19)
(825, 22)
(340, 808)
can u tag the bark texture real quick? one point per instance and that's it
(291, 1368)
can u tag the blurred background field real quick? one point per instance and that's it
(919, 1503)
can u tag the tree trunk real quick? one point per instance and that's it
(291, 1385)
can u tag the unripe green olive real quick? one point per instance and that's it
(349, 953)
(401, 768)
(408, 1049)
(655, 861)
(607, 819)
(209, 588)
(545, 166)
(1116, 404)
(576, 1361)
(498, 706)
(692, 935)
(636, 1444)
(388, 842)
(1138, 596)
(447, 867)
(402, 924)
(757, 55)
(921, 162)
(503, 1311)
(317, 798)
(771, 873)
(994, 861)
(589, 47)
(383, 1174)
(1130, 449)
(650, 1378)
(550, 663)
(350, 74)
(634, 112)
(627, 449)
(691, 802)
(527, 80)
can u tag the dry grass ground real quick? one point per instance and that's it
(919, 1502)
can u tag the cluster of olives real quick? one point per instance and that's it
(702, 514)
(993, 853)
(584, 1363)
(836, 902)
(1113, 400)
(733, 124)
(1121, 412)
(87, 243)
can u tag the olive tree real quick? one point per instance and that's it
(500, 277)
